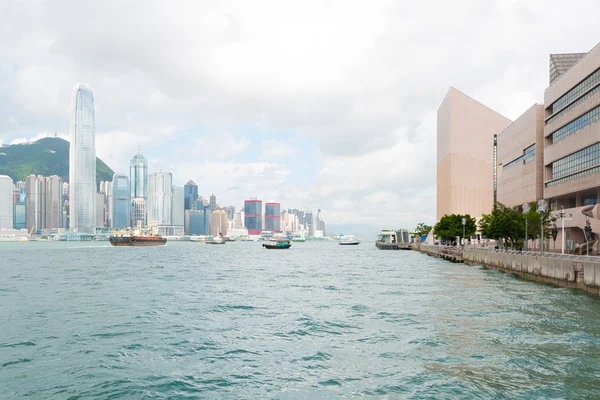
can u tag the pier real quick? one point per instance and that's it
(562, 270)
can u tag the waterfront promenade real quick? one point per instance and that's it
(571, 271)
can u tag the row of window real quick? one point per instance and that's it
(577, 91)
(575, 176)
(577, 124)
(528, 154)
(575, 103)
(575, 162)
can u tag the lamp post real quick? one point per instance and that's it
(525, 211)
(587, 233)
(563, 215)
(542, 205)
(464, 223)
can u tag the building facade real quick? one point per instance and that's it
(197, 222)
(213, 202)
(465, 146)
(138, 213)
(82, 162)
(178, 206)
(218, 223)
(521, 159)
(253, 216)
(273, 217)
(138, 180)
(44, 202)
(120, 202)
(6, 202)
(572, 143)
(190, 193)
(160, 197)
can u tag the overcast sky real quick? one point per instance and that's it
(316, 104)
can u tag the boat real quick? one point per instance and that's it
(299, 239)
(215, 240)
(137, 240)
(349, 242)
(278, 245)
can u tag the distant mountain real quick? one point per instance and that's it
(47, 156)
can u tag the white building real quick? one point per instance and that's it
(178, 206)
(82, 161)
(6, 202)
(160, 199)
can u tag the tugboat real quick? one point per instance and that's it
(134, 240)
(278, 245)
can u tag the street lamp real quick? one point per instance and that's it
(542, 206)
(563, 215)
(587, 233)
(464, 222)
(525, 211)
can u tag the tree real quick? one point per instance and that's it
(422, 229)
(450, 226)
(503, 223)
(508, 224)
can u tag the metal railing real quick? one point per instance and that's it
(574, 257)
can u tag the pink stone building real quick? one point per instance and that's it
(465, 155)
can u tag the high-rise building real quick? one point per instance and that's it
(54, 203)
(309, 222)
(213, 202)
(195, 222)
(120, 202)
(109, 202)
(6, 202)
(138, 212)
(218, 223)
(253, 216)
(35, 204)
(190, 194)
(101, 210)
(465, 147)
(273, 217)
(160, 199)
(82, 162)
(138, 176)
(178, 206)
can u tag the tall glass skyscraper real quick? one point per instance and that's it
(160, 199)
(138, 175)
(82, 161)
(121, 201)
(190, 193)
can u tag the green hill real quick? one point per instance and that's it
(47, 156)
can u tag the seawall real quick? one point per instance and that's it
(581, 272)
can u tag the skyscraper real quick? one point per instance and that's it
(138, 175)
(82, 161)
(54, 203)
(213, 202)
(253, 216)
(160, 197)
(6, 202)
(273, 217)
(190, 193)
(138, 212)
(120, 208)
(218, 223)
(178, 207)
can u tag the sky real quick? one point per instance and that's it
(315, 104)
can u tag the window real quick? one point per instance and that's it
(585, 85)
(576, 165)
(577, 124)
(589, 200)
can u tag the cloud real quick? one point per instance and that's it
(206, 88)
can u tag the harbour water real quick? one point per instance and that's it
(86, 320)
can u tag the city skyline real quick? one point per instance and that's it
(296, 121)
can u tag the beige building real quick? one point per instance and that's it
(572, 140)
(520, 166)
(218, 223)
(44, 200)
(465, 155)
